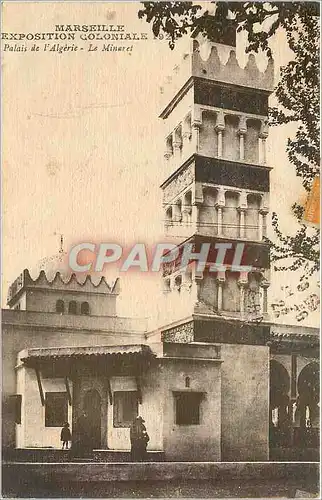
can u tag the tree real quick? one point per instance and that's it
(297, 91)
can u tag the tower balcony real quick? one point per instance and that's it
(241, 296)
(196, 202)
(214, 132)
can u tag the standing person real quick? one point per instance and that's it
(139, 439)
(144, 444)
(65, 436)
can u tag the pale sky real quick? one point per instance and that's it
(83, 145)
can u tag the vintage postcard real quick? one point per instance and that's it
(160, 279)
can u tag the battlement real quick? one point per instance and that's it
(218, 63)
(70, 283)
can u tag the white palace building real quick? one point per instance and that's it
(211, 382)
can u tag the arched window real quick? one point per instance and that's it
(168, 217)
(231, 293)
(85, 308)
(231, 138)
(252, 216)
(251, 141)
(60, 306)
(231, 217)
(72, 308)
(178, 282)
(187, 207)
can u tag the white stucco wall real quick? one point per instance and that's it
(193, 442)
(32, 431)
(150, 409)
(245, 402)
(118, 438)
(45, 301)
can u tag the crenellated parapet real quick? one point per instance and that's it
(231, 72)
(71, 283)
(218, 63)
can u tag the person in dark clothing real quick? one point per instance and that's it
(139, 440)
(65, 435)
(144, 444)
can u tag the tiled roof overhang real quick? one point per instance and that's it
(52, 353)
(293, 342)
(293, 337)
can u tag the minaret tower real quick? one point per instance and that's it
(217, 180)
(216, 190)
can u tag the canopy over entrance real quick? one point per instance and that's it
(102, 360)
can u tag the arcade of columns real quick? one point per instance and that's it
(185, 139)
(183, 212)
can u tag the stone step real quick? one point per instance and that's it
(49, 455)
(125, 456)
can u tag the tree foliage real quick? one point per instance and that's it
(297, 91)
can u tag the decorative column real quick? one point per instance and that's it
(197, 200)
(220, 127)
(263, 134)
(242, 130)
(220, 203)
(195, 135)
(262, 223)
(177, 144)
(264, 284)
(242, 209)
(177, 215)
(186, 132)
(221, 278)
(196, 122)
(187, 279)
(242, 284)
(187, 208)
(168, 148)
(197, 278)
(262, 217)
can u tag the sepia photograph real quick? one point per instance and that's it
(160, 249)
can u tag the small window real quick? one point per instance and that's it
(56, 409)
(187, 408)
(16, 407)
(60, 306)
(72, 308)
(125, 408)
(85, 308)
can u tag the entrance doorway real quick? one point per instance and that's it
(280, 418)
(92, 407)
(308, 407)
